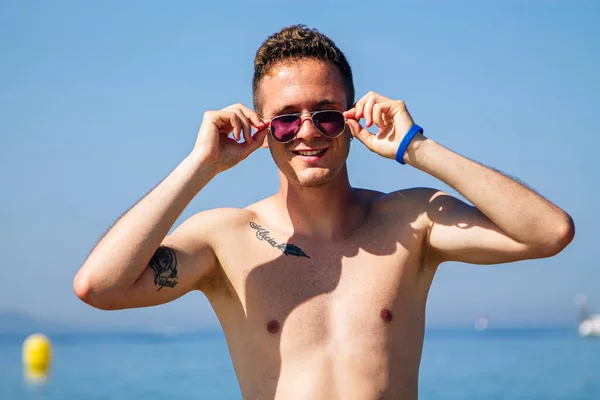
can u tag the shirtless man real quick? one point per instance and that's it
(321, 288)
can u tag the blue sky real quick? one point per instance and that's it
(100, 100)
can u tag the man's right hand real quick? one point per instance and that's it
(214, 145)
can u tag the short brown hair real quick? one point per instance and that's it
(294, 43)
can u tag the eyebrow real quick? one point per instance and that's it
(290, 107)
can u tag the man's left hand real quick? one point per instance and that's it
(390, 116)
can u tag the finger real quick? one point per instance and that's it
(360, 133)
(378, 97)
(245, 125)
(246, 129)
(257, 140)
(388, 119)
(381, 115)
(236, 125)
(222, 119)
(368, 111)
(252, 116)
(377, 116)
(350, 114)
(360, 106)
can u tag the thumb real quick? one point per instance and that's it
(257, 140)
(360, 133)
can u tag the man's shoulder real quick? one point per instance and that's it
(230, 217)
(409, 204)
(416, 196)
(220, 218)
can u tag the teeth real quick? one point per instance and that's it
(310, 153)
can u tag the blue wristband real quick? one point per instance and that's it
(406, 141)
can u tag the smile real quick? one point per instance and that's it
(309, 153)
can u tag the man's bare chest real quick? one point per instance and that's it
(308, 286)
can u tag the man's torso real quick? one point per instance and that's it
(325, 319)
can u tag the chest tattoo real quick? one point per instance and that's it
(287, 248)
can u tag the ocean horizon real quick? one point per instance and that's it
(461, 363)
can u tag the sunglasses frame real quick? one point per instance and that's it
(311, 114)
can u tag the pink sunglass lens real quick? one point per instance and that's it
(284, 128)
(330, 123)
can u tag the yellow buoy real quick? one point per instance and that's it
(37, 356)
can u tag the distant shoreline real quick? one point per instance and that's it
(431, 332)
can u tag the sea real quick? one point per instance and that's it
(456, 364)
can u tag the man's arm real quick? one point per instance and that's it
(507, 222)
(135, 264)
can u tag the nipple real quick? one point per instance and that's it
(386, 315)
(273, 326)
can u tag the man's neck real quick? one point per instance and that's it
(330, 211)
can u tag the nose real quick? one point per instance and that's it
(307, 130)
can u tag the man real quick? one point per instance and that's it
(321, 288)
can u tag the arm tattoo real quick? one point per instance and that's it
(164, 265)
(287, 248)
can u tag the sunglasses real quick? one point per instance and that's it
(329, 123)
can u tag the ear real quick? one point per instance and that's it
(265, 143)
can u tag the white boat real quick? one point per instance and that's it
(589, 324)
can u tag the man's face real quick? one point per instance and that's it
(301, 87)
